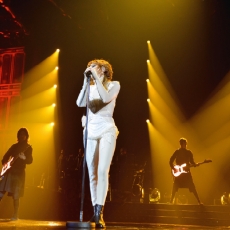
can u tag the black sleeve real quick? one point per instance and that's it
(28, 154)
(7, 155)
(172, 159)
(191, 160)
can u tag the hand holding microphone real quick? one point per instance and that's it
(88, 73)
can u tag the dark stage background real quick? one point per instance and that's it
(191, 39)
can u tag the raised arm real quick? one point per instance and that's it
(111, 93)
(81, 100)
(106, 95)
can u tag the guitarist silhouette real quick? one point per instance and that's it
(183, 177)
(13, 171)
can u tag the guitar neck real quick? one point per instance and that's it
(16, 157)
(199, 163)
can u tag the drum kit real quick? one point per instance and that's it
(138, 181)
(127, 180)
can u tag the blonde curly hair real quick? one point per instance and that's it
(108, 67)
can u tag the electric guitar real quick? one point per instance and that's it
(184, 168)
(10, 162)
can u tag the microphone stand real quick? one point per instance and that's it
(82, 224)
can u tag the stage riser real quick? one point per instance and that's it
(41, 204)
(168, 214)
(170, 220)
(188, 214)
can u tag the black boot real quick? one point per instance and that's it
(16, 207)
(99, 216)
(92, 220)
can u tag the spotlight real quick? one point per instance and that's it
(154, 195)
(55, 86)
(148, 100)
(147, 121)
(53, 224)
(148, 42)
(53, 104)
(57, 50)
(56, 67)
(147, 80)
(52, 124)
(148, 61)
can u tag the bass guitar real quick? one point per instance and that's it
(10, 162)
(184, 168)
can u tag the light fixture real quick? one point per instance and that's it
(154, 195)
(225, 199)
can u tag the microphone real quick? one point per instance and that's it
(88, 73)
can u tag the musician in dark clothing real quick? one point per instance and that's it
(184, 180)
(13, 181)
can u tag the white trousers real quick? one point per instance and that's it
(99, 154)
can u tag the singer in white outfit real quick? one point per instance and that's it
(102, 131)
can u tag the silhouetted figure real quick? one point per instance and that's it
(61, 162)
(184, 180)
(71, 165)
(13, 181)
(125, 170)
(79, 159)
(62, 165)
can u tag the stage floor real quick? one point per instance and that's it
(37, 225)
